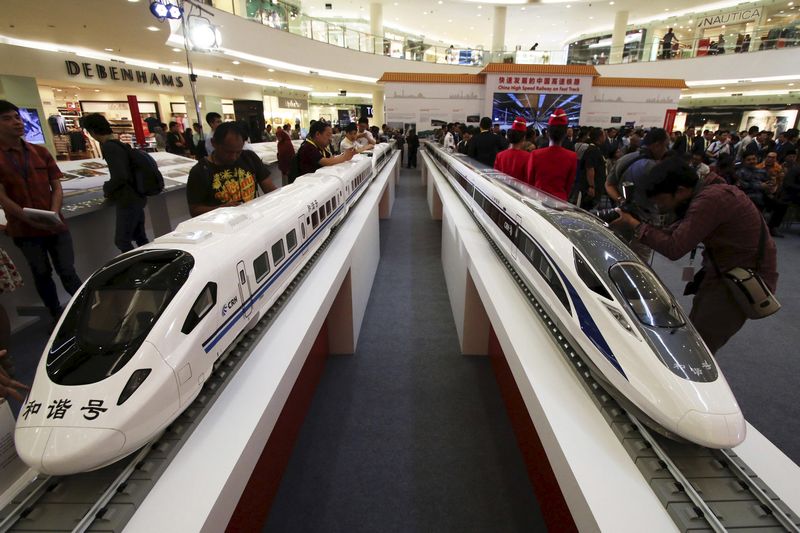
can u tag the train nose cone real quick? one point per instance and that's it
(62, 451)
(713, 430)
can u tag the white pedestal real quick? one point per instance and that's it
(602, 487)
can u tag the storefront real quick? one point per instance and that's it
(596, 50)
(56, 89)
(775, 118)
(745, 27)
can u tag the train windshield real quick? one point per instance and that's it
(647, 297)
(113, 314)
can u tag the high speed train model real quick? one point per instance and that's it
(610, 306)
(138, 340)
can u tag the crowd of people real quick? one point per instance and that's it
(727, 191)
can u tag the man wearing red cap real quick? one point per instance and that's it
(514, 160)
(552, 169)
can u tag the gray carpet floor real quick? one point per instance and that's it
(407, 434)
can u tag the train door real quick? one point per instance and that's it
(302, 221)
(515, 237)
(244, 288)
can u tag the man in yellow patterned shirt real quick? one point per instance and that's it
(227, 177)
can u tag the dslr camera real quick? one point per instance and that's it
(627, 205)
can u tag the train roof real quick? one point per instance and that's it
(601, 247)
(236, 220)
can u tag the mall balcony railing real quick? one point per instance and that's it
(287, 17)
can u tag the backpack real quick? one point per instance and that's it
(147, 179)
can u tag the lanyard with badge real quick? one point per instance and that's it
(324, 152)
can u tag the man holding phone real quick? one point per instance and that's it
(30, 178)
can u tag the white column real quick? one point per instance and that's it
(377, 107)
(376, 25)
(499, 29)
(618, 37)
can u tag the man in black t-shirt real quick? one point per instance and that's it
(176, 144)
(666, 45)
(594, 166)
(314, 153)
(227, 177)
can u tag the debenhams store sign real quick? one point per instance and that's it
(106, 72)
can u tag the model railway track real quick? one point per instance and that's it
(701, 489)
(106, 499)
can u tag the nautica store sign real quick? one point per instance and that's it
(744, 15)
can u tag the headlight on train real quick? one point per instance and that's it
(135, 381)
(621, 319)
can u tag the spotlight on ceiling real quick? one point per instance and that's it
(202, 34)
(164, 9)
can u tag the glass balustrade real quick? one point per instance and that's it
(285, 17)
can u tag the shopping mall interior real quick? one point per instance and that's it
(408, 374)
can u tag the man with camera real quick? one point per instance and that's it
(730, 227)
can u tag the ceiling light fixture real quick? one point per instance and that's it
(177, 50)
(203, 34)
(108, 49)
(163, 9)
(236, 62)
(270, 70)
(153, 28)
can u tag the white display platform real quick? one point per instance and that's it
(602, 487)
(202, 485)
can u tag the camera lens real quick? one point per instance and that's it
(607, 215)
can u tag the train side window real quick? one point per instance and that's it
(277, 252)
(543, 266)
(303, 231)
(291, 240)
(321, 213)
(204, 303)
(333, 202)
(588, 277)
(328, 207)
(261, 266)
(314, 220)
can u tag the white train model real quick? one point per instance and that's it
(607, 303)
(137, 342)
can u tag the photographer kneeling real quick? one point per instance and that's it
(730, 227)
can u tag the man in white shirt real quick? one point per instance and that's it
(350, 139)
(214, 120)
(701, 168)
(365, 138)
(449, 140)
(750, 137)
(719, 147)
